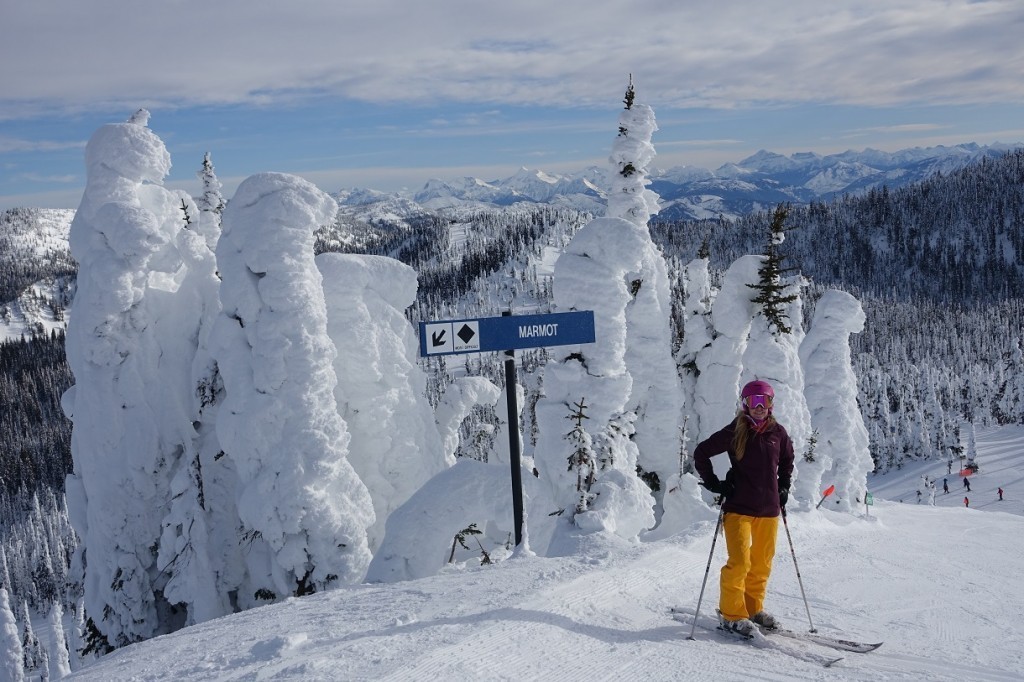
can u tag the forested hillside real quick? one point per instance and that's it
(951, 238)
(939, 269)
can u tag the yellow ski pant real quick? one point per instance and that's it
(744, 580)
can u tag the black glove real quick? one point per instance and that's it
(783, 497)
(724, 488)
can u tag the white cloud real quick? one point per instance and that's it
(878, 52)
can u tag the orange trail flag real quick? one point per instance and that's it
(828, 491)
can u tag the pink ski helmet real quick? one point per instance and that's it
(755, 388)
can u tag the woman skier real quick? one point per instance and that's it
(754, 492)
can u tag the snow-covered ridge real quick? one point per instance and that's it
(34, 239)
(689, 192)
(37, 232)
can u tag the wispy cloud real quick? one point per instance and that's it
(897, 129)
(35, 177)
(866, 52)
(11, 144)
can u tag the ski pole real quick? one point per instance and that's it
(792, 553)
(714, 539)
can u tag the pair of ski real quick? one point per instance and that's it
(769, 639)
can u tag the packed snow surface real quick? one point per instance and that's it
(938, 583)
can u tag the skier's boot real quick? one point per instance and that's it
(765, 620)
(742, 627)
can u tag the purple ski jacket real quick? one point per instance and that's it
(767, 466)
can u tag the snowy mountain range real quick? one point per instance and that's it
(758, 182)
(36, 269)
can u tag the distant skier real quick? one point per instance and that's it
(1000, 494)
(919, 497)
(967, 484)
(945, 486)
(967, 503)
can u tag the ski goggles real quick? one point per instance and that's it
(752, 401)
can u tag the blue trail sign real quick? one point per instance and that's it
(509, 332)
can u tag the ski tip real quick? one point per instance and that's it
(833, 662)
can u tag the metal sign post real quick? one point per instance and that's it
(514, 447)
(507, 333)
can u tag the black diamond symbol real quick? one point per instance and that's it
(466, 333)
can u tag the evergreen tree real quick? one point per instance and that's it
(211, 200)
(31, 649)
(582, 460)
(772, 296)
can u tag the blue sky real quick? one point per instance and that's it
(388, 94)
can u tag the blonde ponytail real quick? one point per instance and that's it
(741, 430)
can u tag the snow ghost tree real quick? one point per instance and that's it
(196, 540)
(698, 330)
(127, 438)
(655, 397)
(304, 511)
(11, 655)
(595, 273)
(831, 393)
(719, 367)
(628, 195)
(381, 391)
(456, 403)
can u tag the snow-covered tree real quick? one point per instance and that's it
(381, 391)
(211, 201)
(454, 406)
(628, 195)
(582, 459)
(11, 654)
(775, 292)
(196, 545)
(719, 365)
(971, 450)
(697, 329)
(1009, 407)
(32, 653)
(5, 571)
(127, 437)
(595, 273)
(656, 396)
(303, 509)
(773, 354)
(831, 391)
(60, 656)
